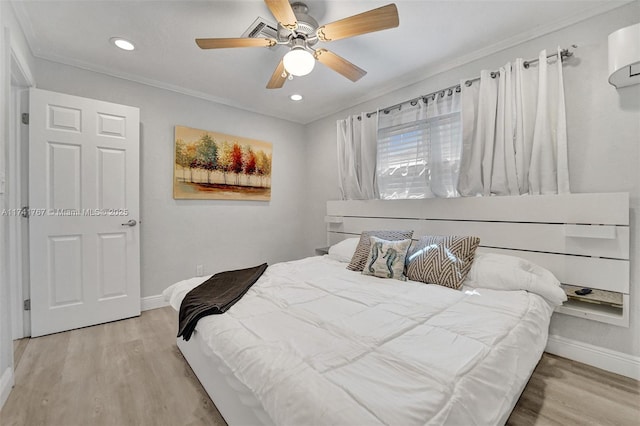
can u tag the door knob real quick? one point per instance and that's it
(131, 222)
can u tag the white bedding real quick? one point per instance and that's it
(318, 344)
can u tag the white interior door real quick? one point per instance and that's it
(84, 206)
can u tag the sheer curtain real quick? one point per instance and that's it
(357, 145)
(445, 141)
(419, 148)
(402, 157)
(515, 139)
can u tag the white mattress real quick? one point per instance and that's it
(318, 344)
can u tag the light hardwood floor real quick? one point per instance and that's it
(130, 372)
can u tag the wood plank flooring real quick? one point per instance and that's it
(130, 372)
(563, 392)
(127, 372)
(18, 349)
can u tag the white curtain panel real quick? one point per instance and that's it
(515, 139)
(357, 145)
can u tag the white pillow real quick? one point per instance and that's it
(343, 251)
(502, 272)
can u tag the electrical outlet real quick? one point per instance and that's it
(199, 270)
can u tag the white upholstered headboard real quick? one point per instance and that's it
(582, 238)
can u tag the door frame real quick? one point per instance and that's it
(17, 184)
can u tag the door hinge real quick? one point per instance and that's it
(24, 212)
(25, 118)
(27, 305)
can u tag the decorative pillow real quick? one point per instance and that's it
(443, 260)
(343, 251)
(359, 258)
(386, 258)
(503, 272)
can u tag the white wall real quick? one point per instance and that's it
(176, 235)
(11, 39)
(604, 146)
(6, 356)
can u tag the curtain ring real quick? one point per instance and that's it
(450, 92)
(458, 89)
(359, 118)
(468, 83)
(433, 97)
(386, 111)
(425, 100)
(494, 74)
(368, 115)
(526, 64)
(414, 102)
(442, 94)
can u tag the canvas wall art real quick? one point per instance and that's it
(215, 166)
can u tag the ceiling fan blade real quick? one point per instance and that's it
(222, 43)
(282, 11)
(277, 80)
(339, 65)
(382, 18)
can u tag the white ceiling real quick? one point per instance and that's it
(430, 33)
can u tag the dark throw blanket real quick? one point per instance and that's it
(215, 296)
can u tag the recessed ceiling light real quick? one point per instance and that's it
(122, 43)
(295, 97)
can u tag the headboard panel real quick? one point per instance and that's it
(611, 208)
(582, 238)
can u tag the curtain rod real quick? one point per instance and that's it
(564, 53)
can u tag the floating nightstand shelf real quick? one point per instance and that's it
(600, 305)
(321, 251)
(333, 219)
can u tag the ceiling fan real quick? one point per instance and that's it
(300, 32)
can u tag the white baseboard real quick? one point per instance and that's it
(605, 359)
(6, 383)
(152, 302)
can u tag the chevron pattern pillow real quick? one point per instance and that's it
(443, 260)
(359, 258)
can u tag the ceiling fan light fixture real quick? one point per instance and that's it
(298, 61)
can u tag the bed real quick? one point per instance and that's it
(314, 343)
(306, 338)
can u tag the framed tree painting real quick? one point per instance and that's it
(215, 166)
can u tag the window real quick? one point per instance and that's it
(419, 150)
(402, 162)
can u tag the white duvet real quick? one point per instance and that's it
(318, 344)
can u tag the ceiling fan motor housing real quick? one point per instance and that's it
(306, 29)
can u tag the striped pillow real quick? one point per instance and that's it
(361, 254)
(442, 260)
